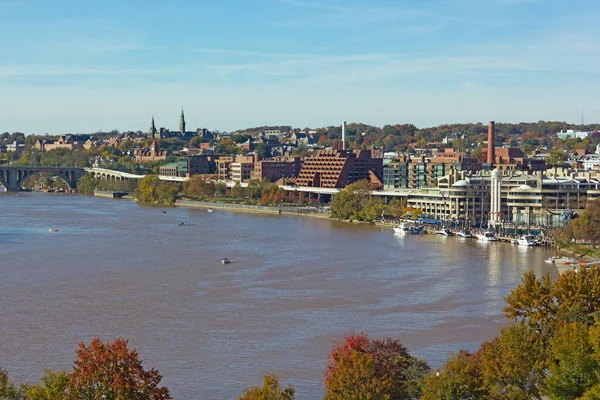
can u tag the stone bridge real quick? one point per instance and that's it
(13, 177)
(112, 175)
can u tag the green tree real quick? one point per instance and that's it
(572, 367)
(146, 188)
(269, 391)
(8, 391)
(53, 386)
(227, 146)
(263, 149)
(87, 184)
(460, 379)
(111, 370)
(513, 364)
(237, 191)
(221, 189)
(556, 157)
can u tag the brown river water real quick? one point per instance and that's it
(296, 285)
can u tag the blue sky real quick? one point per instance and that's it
(84, 66)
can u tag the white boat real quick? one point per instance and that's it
(53, 229)
(210, 210)
(406, 229)
(551, 260)
(445, 232)
(527, 240)
(464, 233)
(225, 260)
(487, 237)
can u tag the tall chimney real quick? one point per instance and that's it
(491, 150)
(344, 136)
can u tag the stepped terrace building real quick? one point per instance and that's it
(339, 168)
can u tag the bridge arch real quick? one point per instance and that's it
(30, 173)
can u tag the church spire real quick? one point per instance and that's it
(182, 123)
(153, 131)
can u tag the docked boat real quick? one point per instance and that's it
(407, 229)
(487, 237)
(551, 260)
(225, 260)
(445, 232)
(527, 240)
(464, 233)
(53, 229)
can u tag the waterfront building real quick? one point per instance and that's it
(339, 168)
(200, 164)
(224, 163)
(538, 199)
(276, 168)
(422, 172)
(179, 169)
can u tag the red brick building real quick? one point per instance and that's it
(339, 168)
(276, 168)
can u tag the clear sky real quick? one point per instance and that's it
(69, 66)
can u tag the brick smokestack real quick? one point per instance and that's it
(491, 150)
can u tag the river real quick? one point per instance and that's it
(296, 285)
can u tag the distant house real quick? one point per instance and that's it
(71, 142)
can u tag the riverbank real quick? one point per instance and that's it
(248, 208)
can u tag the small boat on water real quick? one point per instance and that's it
(464, 233)
(53, 229)
(225, 260)
(445, 232)
(210, 210)
(527, 240)
(551, 260)
(408, 229)
(487, 237)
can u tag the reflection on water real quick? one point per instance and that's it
(295, 285)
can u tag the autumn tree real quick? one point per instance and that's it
(355, 202)
(513, 363)
(270, 390)
(53, 386)
(587, 226)
(459, 379)
(359, 368)
(545, 304)
(199, 187)
(111, 370)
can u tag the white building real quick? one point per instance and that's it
(572, 134)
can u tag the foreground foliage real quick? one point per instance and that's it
(360, 368)
(270, 390)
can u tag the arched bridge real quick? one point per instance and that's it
(13, 177)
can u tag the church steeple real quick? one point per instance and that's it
(153, 130)
(182, 123)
